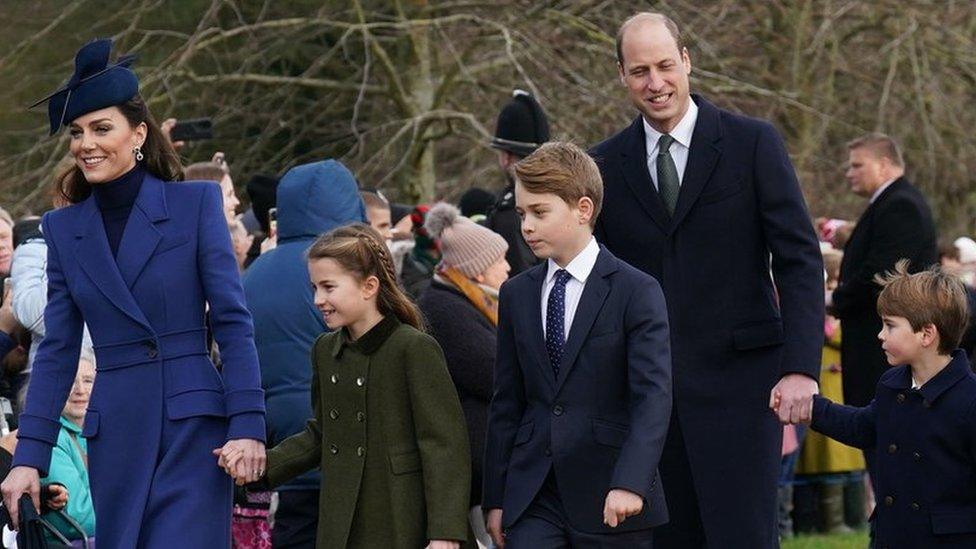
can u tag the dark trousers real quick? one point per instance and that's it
(685, 529)
(544, 526)
(296, 519)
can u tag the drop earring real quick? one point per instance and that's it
(138, 152)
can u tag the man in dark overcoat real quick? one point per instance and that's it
(708, 203)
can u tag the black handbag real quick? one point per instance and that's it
(32, 528)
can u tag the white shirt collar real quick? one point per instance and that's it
(881, 189)
(581, 266)
(682, 132)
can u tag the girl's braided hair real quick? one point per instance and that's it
(359, 249)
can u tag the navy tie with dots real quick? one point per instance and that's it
(555, 320)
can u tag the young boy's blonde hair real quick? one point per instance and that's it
(929, 297)
(564, 170)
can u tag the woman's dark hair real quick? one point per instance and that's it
(160, 159)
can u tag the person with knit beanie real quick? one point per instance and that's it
(461, 308)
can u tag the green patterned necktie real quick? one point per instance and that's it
(667, 173)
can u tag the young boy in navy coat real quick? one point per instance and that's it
(922, 421)
(582, 390)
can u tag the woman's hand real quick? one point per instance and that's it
(21, 480)
(244, 459)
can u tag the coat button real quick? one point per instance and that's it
(334, 379)
(334, 449)
(916, 506)
(360, 381)
(900, 398)
(917, 456)
(334, 414)
(360, 451)
(548, 452)
(360, 416)
(892, 448)
(153, 350)
(557, 410)
(889, 501)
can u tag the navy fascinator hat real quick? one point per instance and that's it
(94, 85)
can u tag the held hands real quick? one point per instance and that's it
(621, 504)
(792, 399)
(243, 459)
(443, 544)
(493, 521)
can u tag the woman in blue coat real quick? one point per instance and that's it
(140, 259)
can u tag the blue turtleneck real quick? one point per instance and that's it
(115, 200)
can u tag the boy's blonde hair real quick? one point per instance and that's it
(929, 297)
(565, 170)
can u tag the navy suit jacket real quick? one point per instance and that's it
(925, 446)
(602, 423)
(740, 217)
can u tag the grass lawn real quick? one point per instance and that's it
(847, 541)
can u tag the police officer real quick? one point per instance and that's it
(522, 126)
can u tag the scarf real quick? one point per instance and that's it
(482, 298)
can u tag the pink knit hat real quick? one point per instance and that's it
(465, 245)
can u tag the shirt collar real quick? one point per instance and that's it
(67, 424)
(581, 266)
(881, 189)
(681, 133)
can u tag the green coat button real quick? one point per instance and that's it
(360, 416)
(334, 414)
(334, 449)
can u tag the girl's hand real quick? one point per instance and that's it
(443, 544)
(59, 497)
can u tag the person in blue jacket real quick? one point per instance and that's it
(312, 199)
(140, 260)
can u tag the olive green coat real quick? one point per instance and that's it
(390, 438)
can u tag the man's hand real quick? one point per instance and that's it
(8, 322)
(792, 398)
(244, 459)
(21, 480)
(167, 127)
(494, 523)
(621, 504)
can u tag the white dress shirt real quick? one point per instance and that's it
(880, 190)
(579, 269)
(679, 149)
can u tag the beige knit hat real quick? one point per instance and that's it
(465, 245)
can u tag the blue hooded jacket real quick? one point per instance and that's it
(312, 199)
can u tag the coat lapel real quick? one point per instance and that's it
(95, 258)
(634, 162)
(702, 157)
(140, 238)
(594, 295)
(535, 335)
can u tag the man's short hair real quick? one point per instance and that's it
(643, 16)
(204, 171)
(928, 297)
(564, 170)
(880, 145)
(6, 218)
(374, 200)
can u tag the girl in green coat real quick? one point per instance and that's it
(388, 431)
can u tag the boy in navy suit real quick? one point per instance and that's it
(582, 391)
(922, 421)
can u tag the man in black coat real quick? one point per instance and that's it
(896, 224)
(708, 203)
(522, 126)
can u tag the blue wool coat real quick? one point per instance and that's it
(158, 407)
(925, 446)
